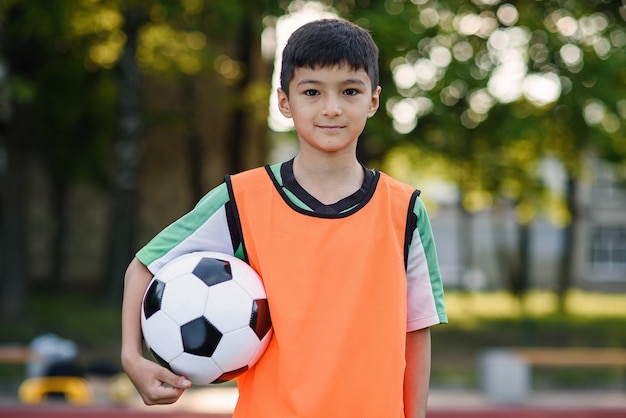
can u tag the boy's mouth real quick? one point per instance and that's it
(330, 128)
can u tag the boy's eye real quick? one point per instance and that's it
(311, 92)
(351, 92)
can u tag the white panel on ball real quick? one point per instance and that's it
(158, 331)
(185, 298)
(228, 307)
(184, 264)
(261, 347)
(200, 370)
(244, 342)
(251, 284)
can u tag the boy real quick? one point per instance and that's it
(346, 254)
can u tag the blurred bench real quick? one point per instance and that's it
(506, 373)
(579, 357)
(15, 354)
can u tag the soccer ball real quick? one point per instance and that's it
(205, 316)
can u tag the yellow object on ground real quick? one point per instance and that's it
(36, 389)
(121, 389)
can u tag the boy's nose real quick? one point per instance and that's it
(332, 107)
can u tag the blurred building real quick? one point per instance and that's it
(600, 247)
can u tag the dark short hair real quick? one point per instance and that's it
(328, 43)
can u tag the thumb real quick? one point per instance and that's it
(179, 382)
(182, 382)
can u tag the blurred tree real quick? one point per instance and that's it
(125, 174)
(52, 120)
(487, 89)
(588, 40)
(497, 88)
(13, 225)
(71, 61)
(189, 42)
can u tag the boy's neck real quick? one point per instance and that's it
(329, 179)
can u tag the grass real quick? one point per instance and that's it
(87, 320)
(477, 321)
(468, 307)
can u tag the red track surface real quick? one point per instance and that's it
(529, 413)
(66, 412)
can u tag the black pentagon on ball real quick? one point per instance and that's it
(213, 271)
(152, 300)
(200, 337)
(260, 320)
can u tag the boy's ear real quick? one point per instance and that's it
(283, 103)
(375, 102)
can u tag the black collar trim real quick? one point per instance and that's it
(340, 209)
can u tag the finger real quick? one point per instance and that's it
(164, 395)
(173, 380)
(183, 383)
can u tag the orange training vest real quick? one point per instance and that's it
(337, 294)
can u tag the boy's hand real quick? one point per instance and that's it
(156, 384)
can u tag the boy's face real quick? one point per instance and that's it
(329, 106)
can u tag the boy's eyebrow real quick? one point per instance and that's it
(347, 81)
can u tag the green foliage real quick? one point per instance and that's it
(70, 111)
(62, 56)
(450, 119)
(61, 91)
(502, 96)
(445, 66)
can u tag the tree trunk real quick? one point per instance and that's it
(465, 246)
(513, 264)
(246, 144)
(236, 131)
(520, 276)
(13, 229)
(194, 142)
(59, 198)
(13, 241)
(126, 158)
(501, 247)
(564, 279)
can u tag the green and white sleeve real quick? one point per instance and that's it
(425, 301)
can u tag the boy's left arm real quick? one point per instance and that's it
(417, 373)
